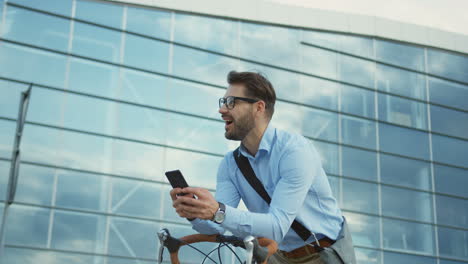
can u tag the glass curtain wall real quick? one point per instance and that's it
(123, 93)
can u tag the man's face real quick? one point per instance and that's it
(240, 120)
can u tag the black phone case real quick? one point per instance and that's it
(176, 179)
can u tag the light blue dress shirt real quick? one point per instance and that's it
(291, 171)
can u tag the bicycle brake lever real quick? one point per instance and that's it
(249, 246)
(163, 234)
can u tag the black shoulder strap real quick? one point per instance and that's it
(246, 169)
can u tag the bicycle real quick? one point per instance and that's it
(258, 250)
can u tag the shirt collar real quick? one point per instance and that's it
(265, 143)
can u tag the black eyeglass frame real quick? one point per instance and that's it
(224, 101)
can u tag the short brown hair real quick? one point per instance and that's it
(257, 87)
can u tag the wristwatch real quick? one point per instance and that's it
(220, 214)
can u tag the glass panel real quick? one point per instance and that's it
(133, 238)
(394, 80)
(329, 155)
(62, 7)
(402, 235)
(93, 78)
(452, 211)
(404, 141)
(367, 256)
(409, 204)
(270, 44)
(207, 33)
(448, 64)
(136, 198)
(451, 180)
(319, 124)
(194, 98)
(317, 92)
(202, 66)
(144, 88)
(360, 196)
(35, 185)
(5, 171)
(448, 93)
(37, 29)
(318, 61)
(405, 172)
(77, 231)
(97, 43)
(357, 101)
(449, 122)
(32, 65)
(449, 150)
(27, 226)
(7, 137)
(146, 53)
(359, 163)
(400, 54)
(365, 230)
(402, 111)
(351, 44)
(100, 13)
(198, 169)
(149, 22)
(390, 257)
(286, 84)
(442, 261)
(10, 99)
(358, 132)
(30, 256)
(335, 187)
(453, 243)
(357, 71)
(91, 194)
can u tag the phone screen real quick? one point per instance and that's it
(176, 179)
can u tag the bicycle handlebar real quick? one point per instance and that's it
(257, 250)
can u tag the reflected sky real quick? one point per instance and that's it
(10, 99)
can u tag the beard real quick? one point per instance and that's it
(240, 127)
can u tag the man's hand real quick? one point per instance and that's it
(186, 206)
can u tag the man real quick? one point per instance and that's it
(289, 169)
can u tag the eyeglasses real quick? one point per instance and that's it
(230, 101)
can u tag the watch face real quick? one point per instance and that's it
(219, 217)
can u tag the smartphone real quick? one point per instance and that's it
(177, 180)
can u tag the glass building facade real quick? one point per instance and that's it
(121, 93)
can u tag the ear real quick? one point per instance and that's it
(260, 107)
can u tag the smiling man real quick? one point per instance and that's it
(297, 209)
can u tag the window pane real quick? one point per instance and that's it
(409, 204)
(365, 230)
(270, 44)
(62, 7)
(329, 155)
(449, 122)
(400, 54)
(352, 44)
(37, 29)
(451, 180)
(357, 71)
(202, 66)
(335, 187)
(77, 231)
(100, 13)
(357, 101)
(404, 141)
(359, 163)
(452, 211)
(453, 243)
(10, 99)
(97, 43)
(405, 172)
(447, 64)
(449, 150)
(32, 65)
(402, 111)
(448, 93)
(5, 171)
(367, 256)
(318, 61)
(390, 257)
(7, 137)
(30, 256)
(319, 124)
(143, 88)
(360, 196)
(149, 22)
(35, 185)
(207, 33)
(27, 226)
(317, 92)
(402, 235)
(146, 53)
(358, 132)
(394, 80)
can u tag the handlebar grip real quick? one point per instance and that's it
(260, 253)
